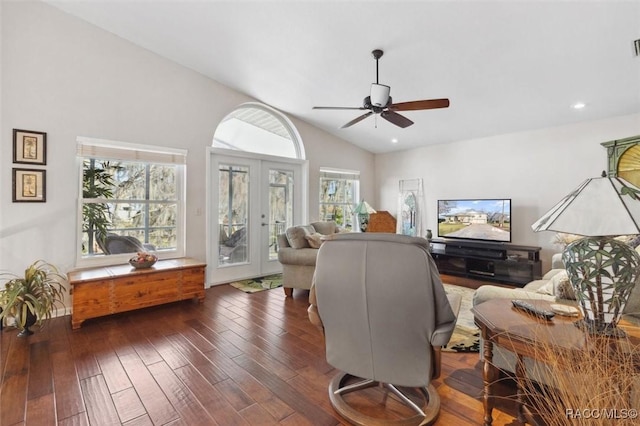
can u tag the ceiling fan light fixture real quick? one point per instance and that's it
(379, 103)
(379, 95)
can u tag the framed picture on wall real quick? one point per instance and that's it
(29, 147)
(29, 185)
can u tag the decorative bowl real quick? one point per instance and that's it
(143, 260)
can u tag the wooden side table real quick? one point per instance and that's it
(112, 289)
(524, 335)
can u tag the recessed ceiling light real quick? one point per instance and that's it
(394, 140)
(579, 105)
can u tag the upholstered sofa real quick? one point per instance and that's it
(297, 252)
(553, 287)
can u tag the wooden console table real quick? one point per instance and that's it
(108, 290)
(523, 334)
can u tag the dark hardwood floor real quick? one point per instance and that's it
(235, 359)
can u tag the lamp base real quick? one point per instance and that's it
(593, 328)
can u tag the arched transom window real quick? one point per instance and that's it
(254, 127)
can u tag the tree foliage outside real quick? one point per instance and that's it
(337, 200)
(129, 198)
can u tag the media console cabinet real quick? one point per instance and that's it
(109, 290)
(502, 263)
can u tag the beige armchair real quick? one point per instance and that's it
(385, 315)
(298, 257)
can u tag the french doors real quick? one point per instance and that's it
(253, 198)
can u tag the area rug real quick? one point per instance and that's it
(258, 284)
(466, 336)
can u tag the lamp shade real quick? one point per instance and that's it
(603, 206)
(364, 208)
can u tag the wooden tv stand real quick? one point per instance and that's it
(109, 290)
(502, 263)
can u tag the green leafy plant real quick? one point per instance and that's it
(38, 292)
(97, 183)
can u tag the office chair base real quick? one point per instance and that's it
(425, 414)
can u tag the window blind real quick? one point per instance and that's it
(339, 174)
(99, 148)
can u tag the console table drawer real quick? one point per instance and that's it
(112, 289)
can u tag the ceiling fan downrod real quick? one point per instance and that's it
(377, 54)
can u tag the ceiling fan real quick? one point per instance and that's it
(379, 102)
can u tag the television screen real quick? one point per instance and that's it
(479, 219)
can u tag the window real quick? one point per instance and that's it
(339, 192)
(132, 199)
(253, 127)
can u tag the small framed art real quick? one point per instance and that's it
(29, 147)
(29, 185)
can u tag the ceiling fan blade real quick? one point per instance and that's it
(395, 118)
(424, 104)
(357, 120)
(328, 107)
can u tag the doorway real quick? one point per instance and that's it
(253, 200)
(256, 175)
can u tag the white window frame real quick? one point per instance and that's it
(329, 173)
(125, 151)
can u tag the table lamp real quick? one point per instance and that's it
(363, 210)
(601, 270)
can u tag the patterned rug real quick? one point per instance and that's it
(466, 336)
(258, 284)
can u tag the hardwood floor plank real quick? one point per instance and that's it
(285, 392)
(79, 419)
(214, 338)
(141, 345)
(128, 405)
(238, 398)
(113, 372)
(210, 397)
(100, 407)
(296, 420)
(257, 415)
(140, 421)
(41, 411)
(314, 385)
(154, 400)
(69, 402)
(14, 380)
(40, 377)
(260, 344)
(208, 369)
(182, 399)
(83, 352)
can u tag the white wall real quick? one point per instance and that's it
(68, 78)
(535, 169)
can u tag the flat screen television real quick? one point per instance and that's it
(475, 219)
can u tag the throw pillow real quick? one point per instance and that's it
(315, 240)
(296, 236)
(562, 287)
(324, 227)
(546, 289)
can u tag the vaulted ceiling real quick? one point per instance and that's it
(506, 66)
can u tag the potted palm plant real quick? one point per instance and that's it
(31, 299)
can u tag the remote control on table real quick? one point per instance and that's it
(531, 309)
